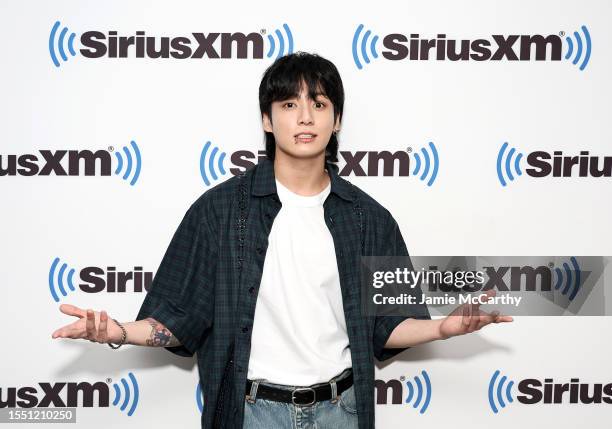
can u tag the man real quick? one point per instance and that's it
(261, 278)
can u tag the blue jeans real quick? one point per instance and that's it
(336, 413)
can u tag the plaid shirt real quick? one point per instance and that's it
(206, 287)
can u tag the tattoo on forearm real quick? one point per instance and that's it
(160, 335)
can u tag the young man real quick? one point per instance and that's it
(261, 277)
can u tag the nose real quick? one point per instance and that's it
(305, 115)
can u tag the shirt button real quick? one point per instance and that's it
(268, 216)
(245, 329)
(260, 250)
(251, 290)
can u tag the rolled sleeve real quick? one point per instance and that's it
(181, 294)
(393, 245)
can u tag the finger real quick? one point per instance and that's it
(90, 326)
(72, 310)
(73, 330)
(475, 319)
(502, 319)
(490, 292)
(102, 332)
(486, 318)
(465, 319)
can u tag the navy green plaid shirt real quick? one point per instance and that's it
(205, 292)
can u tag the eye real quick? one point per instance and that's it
(289, 102)
(320, 104)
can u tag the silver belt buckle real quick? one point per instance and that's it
(302, 389)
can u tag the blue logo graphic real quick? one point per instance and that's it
(199, 398)
(132, 161)
(572, 282)
(507, 164)
(130, 391)
(361, 44)
(59, 277)
(431, 162)
(60, 43)
(423, 392)
(207, 163)
(497, 390)
(581, 47)
(280, 41)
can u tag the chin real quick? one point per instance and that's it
(304, 153)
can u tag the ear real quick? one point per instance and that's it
(337, 124)
(267, 124)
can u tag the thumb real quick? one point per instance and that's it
(72, 310)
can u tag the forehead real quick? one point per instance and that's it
(302, 89)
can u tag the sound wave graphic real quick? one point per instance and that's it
(506, 164)
(129, 392)
(360, 47)
(280, 37)
(572, 282)
(59, 277)
(199, 398)
(430, 162)
(496, 392)
(60, 43)
(423, 392)
(207, 163)
(580, 47)
(131, 162)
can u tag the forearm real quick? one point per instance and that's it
(149, 332)
(412, 332)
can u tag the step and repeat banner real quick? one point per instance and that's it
(484, 127)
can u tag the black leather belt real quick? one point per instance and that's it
(301, 395)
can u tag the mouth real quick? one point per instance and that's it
(304, 137)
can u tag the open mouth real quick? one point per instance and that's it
(304, 138)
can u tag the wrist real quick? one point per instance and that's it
(439, 331)
(121, 334)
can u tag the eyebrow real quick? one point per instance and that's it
(317, 94)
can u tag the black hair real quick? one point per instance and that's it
(283, 80)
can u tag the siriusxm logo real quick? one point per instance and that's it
(199, 396)
(397, 46)
(378, 163)
(96, 279)
(542, 164)
(500, 392)
(98, 44)
(417, 394)
(81, 394)
(567, 279)
(75, 163)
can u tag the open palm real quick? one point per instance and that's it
(92, 325)
(468, 318)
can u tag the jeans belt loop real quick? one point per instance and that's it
(334, 391)
(252, 396)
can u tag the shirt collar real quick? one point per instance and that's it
(264, 183)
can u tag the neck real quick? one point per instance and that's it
(304, 177)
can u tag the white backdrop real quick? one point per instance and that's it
(171, 107)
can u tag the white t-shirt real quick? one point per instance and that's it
(299, 332)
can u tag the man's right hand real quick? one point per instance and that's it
(92, 325)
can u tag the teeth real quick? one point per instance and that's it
(305, 136)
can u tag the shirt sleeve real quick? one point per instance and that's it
(394, 245)
(182, 291)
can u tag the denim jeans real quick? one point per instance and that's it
(331, 414)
